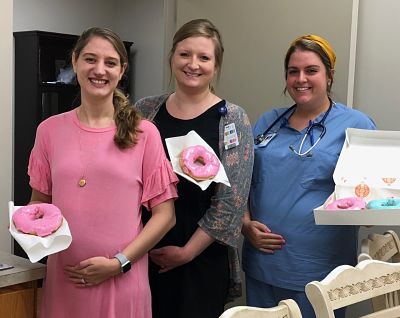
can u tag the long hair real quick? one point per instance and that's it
(126, 117)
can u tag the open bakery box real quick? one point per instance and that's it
(368, 167)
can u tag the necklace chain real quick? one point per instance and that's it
(85, 156)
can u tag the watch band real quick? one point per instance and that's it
(125, 263)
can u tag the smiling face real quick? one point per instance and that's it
(98, 68)
(307, 79)
(193, 63)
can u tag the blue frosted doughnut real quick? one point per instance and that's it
(379, 204)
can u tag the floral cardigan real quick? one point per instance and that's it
(223, 219)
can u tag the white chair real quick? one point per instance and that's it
(347, 285)
(383, 247)
(287, 308)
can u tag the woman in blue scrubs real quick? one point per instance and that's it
(296, 152)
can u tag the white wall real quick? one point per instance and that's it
(142, 22)
(378, 69)
(6, 119)
(377, 72)
(62, 16)
(138, 21)
(377, 62)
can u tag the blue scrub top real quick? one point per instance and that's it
(286, 188)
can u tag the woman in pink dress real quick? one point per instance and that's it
(99, 163)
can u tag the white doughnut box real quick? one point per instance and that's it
(368, 167)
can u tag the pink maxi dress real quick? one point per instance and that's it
(104, 216)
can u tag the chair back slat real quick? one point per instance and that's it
(384, 247)
(287, 308)
(347, 285)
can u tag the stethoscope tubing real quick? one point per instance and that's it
(311, 126)
(261, 137)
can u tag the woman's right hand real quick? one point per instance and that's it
(261, 237)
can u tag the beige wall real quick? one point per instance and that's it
(6, 119)
(256, 35)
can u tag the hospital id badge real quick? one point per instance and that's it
(267, 139)
(230, 136)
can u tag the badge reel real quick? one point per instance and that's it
(266, 139)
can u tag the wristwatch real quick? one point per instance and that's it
(125, 263)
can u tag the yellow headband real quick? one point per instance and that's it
(323, 44)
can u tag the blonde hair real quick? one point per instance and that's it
(200, 27)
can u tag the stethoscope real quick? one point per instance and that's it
(309, 132)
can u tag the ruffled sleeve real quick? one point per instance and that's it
(159, 180)
(159, 186)
(39, 168)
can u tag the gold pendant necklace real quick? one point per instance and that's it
(85, 156)
(82, 182)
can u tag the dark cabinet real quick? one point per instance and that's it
(43, 87)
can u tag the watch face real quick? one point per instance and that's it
(126, 267)
(125, 263)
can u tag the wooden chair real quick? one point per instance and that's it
(383, 247)
(286, 309)
(347, 285)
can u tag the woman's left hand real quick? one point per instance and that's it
(169, 257)
(92, 271)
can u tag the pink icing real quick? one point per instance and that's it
(353, 203)
(190, 162)
(40, 219)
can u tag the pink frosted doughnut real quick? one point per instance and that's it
(199, 163)
(353, 203)
(40, 219)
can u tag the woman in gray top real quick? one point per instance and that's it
(194, 270)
